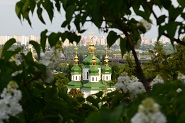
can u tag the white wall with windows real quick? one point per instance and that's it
(99, 73)
(85, 74)
(94, 78)
(106, 77)
(76, 77)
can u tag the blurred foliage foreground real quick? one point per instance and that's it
(30, 93)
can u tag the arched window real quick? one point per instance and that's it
(87, 74)
(92, 78)
(76, 77)
(106, 77)
(96, 78)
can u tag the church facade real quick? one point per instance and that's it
(93, 76)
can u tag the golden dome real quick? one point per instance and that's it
(76, 60)
(93, 60)
(91, 47)
(106, 60)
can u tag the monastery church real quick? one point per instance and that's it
(92, 77)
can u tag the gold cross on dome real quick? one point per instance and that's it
(91, 32)
(106, 50)
(76, 48)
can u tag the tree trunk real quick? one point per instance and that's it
(139, 70)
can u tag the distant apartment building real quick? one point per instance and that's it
(83, 41)
(103, 40)
(146, 42)
(24, 40)
(21, 39)
(67, 43)
(5, 38)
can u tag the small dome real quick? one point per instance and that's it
(106, 69)
(88, 60)
(76, 69)
(93, 70)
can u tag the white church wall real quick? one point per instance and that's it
(76, 77)
(89, 92)
(106, 77)
(94, 80)
(99, 73)
(84, 75)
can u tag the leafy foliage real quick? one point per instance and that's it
(45, 102)
(41, 101)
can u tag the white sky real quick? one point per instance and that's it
(11, 25)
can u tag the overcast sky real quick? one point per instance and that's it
(11, 25)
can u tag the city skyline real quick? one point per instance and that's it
(11, 25)
(24, 40)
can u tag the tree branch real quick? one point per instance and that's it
(139, 70)
(176, 40)
(155, 16)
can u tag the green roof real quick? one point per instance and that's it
(88, 60)
(88, 66)
(93, 86)
(74, 84)
(106, 69)
(93, 70)
(76, 69)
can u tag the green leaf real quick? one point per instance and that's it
(166, 4)
(82, 31)
(32, 5)
(18, 7)
(77, 22)
(26, 16)
(183, 15)
(94, 12)
(39, 14)
(43, 38)
(48, 5)
(69, 12)
(142, 28)
(73, 37)
(171, 30)
(116, 115)
(63, 36)
(111, 38)
(37, 47)
(57, 4)
(123, 42)
(7, 45)
(161, 31)
(53, 38)
(174, 13)
(4, 80)
(181, 2)
(106, 116)
(9, 54)
(99, 94)
(25, 6)
(95, 102)
(64, 24)
(29, 58)
(161, 19)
